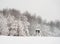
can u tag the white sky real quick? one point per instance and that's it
(47, 9)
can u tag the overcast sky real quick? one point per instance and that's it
(47, 9)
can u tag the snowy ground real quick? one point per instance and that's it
(29, 40)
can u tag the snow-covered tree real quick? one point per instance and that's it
(3, 25)
(18, 26)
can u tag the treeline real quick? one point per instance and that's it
(14, 23)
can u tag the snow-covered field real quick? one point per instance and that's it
(29, 40)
